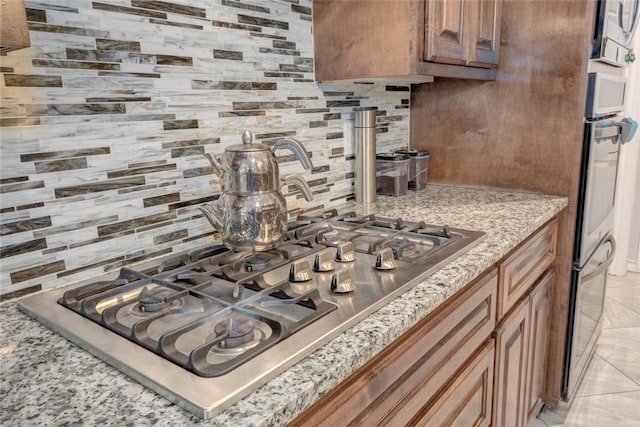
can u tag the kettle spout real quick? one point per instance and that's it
(302, 185)
(217, 168)
(213, 216)
(297, 149)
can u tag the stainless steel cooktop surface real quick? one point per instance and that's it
(206, 328)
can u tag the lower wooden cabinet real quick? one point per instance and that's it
(539, 319)
(399, 382)
(477, 360)
(467, 400)
(520, 270)
(521, 353)
(512, 346)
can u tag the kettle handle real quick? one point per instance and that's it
(297, 181)
(297, 148)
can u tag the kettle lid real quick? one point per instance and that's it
(248, 145)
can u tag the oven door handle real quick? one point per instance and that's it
(634, 16)
(607, 132)
(606, 263)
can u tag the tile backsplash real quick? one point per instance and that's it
(105, 118)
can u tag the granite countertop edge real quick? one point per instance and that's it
(47, 380)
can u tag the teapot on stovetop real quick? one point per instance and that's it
(251, 212)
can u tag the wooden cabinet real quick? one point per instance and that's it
(522, 335)
(539, 319)
(467, 400)
(464, 364)
(512, 347)
(14, 33)
(463, 32)
(521, 353)
(397, 384)
(524, 266)
(409, 41)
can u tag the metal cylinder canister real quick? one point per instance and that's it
(365, 144)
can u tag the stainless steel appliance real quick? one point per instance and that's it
(615, 23)
(594, 247)
(251, 213)
(206, 328)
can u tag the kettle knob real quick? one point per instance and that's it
(247, 137)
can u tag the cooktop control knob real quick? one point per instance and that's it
(342, 283)
(300, 271)
(385, 260)
(345, 252)
(324, 262)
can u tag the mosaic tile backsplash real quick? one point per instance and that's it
(105, 119)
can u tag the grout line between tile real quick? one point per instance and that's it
(617, 369)
(624, 305)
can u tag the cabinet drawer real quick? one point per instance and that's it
(519, 271)
(414, 367)
(467, 400)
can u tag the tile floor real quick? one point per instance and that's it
(610, 391)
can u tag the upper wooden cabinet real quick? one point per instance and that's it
(463, 32)
(409, 41)
(14, 33)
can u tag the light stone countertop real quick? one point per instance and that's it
(47, 380)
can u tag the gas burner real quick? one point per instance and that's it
(329, 236)
(231, 258)
(403, 249)
(148, 302)
(257, 262)
(238, 331)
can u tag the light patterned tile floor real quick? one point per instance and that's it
(609, 394)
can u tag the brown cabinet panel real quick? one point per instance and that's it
(447, 24)
(406, 40)
(357, 39)
(539, 312)
(512, 348)
(14, 33)
(484, 47)
(467, 400)
(397, 383)
(520, 270)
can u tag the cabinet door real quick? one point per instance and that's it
(538, 344)
(467, 400)
(484, 47)
(397, 383)
(446, 38)
(512, 346)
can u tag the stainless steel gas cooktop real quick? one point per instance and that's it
(206, 328)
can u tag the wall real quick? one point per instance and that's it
(626, 230)
(632, 158)
(106, 116)
(633, 257)
(522, 131)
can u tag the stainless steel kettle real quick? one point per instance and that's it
(251, 212)
(251, 168)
